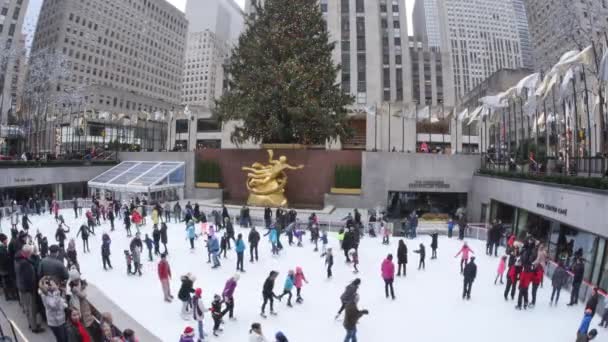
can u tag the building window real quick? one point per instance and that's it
(359, 6)
(181, 126)
(208, 125)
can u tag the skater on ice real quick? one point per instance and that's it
(401, 258)
(469, 274)
(268, 293)
(388, 275)
(300, 279)
(464, 252)
(421, 251)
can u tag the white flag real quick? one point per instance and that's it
(370, 110)
(474, 115)
(564, 87)
(603, 74)
(584, 57)
(424, 113)
(463, 115)
(529, 82)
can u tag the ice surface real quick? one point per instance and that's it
(428, 305)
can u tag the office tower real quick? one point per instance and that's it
(222, 17)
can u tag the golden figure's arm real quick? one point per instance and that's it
(270, 155)
(287, 166)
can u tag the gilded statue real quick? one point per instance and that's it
(266, 183)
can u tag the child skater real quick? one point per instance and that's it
(465, 251)
(386, 234)
(224, 244)
(329, 261)
(129, 260)
(198, 312)
(217, 314)
(289, 283)
(354, 257)
(422, 253)
(434, 245)
(300, 279)
(501, 269)
(149, 245)
(324, 242)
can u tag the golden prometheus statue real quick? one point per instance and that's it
(266, 183)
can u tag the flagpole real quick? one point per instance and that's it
(376, 129)
(416, 127)
(402, 129)
(601, 95)
(430, 128)
(389, 128)
(442, 121)
(456, 123)
(586, 98)
(575, 130)
(555, 126)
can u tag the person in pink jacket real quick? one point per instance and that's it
(464, 251)
(501, 269)
(300, 280)
(388, 274)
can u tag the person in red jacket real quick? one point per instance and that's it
(537, 279)
(512, 276)
(524, 282)
(164, 274)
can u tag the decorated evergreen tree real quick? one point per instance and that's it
(282, 80)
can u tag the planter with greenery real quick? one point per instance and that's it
(347, 180)
(207, 174)
(583, 182)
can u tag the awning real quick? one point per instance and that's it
(141, 177)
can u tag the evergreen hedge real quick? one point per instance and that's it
(207, 171)
(347, 176)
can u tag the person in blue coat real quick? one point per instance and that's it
(583, 329)
(191, 233)
(214, 248)
(289, 283)
(240, 252)
(274, 238)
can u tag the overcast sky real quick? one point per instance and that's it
(34, 9)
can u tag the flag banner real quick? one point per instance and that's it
(529, 82)
(463, 115)
(424, 113)
(474, 115)
(603, 73)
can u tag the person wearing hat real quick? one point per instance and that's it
(188, 335)
(164, 274)
(349, 295)
(184, 293)
(351, 317)
(587, 337)
(280, 337)
(255, 333)
(228, 294)
(469, 274)
(198, 312)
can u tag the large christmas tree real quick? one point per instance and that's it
(282, 80)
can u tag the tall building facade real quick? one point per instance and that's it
(425, 20)
(222, 17)
(521, 20)
(12, 13)
(482, 36)
(562, 25)
(432, 78)
(372, 48)
(203, 70)
(121, 56)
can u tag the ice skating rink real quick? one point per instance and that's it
(428, 307)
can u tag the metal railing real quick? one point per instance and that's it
(67, 204)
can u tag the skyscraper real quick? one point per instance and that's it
(562, 25)
(426, 23)
(222, 17)
(482, 36)
(362, 30)
(12, 13)
(120, 56)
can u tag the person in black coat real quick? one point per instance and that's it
(127, 222)
(111, 218)
(254, 239)
(267, 217)
(434, 245)
(185, 292)
(268, 293)
(163, 236)
(156, 239)
(26, 284)
(422, 253)
(469, 273)
(593, 301)
(401, 258)
(7, 270)
(578, 269)
(347, 243)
